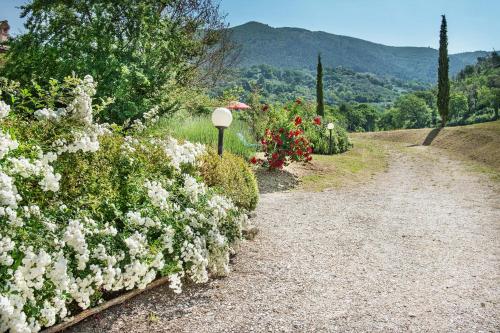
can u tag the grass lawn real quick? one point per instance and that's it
(361, 163)
(237, 138)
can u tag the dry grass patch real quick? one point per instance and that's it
(361, 163)
(478, 142)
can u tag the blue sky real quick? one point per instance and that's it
(472, 24)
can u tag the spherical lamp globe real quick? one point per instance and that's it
(222, 118)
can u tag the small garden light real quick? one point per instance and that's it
(330, 128)
(221, 118)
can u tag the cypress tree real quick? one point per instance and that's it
(320, 106)
(443, 97)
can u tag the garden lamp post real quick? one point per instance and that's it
(221, 118)
(330, 128)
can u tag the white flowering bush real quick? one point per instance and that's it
(86, 210)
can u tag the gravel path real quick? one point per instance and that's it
(417, 249)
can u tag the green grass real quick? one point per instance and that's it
(200, 129)
(357, 165)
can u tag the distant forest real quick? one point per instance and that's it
(368, 102)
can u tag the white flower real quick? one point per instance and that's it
(135, 218)
(4, 109)
(138, 126)
(23, 167)
(168, 238)
(157, 194)
(136, 244)
(6, 245)
(6, 144)
(151, 116)
(50, 181)
(192, 188)
(182, 153)
(49, 114)
(175, 283)
(80, 109)
(8, 191)
(74, 236)
(129, 143)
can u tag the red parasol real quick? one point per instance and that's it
(234, 105)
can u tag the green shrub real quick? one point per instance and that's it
(86, 211)
(233, 176)
(320, 139)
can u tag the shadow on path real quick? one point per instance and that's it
(431, 136)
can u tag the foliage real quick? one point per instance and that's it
(474, 97)
(480, 85)
(284, 141)
(293, 48)
(86, 210)
(315, 129)
(359, 117)
(458, 105)
(141, 52)
(257, 116)
(320, 103)
(443, 98)
(294, 131)
(232, 176)
(237, 138)
(412, 112)
(341, 85)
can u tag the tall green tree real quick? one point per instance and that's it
(320, 103)
(139, 52)
(458, 107)
(443, 98)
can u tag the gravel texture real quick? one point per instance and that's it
(417, 249)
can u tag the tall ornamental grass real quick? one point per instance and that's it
(237, 138)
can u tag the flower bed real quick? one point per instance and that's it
(86, 211)
(294, 132)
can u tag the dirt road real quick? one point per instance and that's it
(417, 249)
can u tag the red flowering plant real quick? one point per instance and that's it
(284, 141)
(315, 130)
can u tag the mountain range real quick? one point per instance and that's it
(296, 48)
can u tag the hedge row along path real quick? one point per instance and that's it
(417, 249)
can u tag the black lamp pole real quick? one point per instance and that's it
(221, 140)
(330, 147)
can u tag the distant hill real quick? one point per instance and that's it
(341, 85)
(294, 48)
